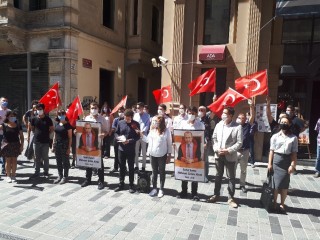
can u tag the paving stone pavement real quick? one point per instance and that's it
(41, 210)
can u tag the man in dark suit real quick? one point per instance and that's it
(88, 139)
(127, 133)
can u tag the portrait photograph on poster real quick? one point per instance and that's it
(88, 144)
(188, 148)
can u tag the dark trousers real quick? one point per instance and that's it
(106, 146)
(116, 155)
(194, 187)
(62, 158)
(3, 158)
(222, 162)
(158, 165)
(100, 173)
(125, 156)
(251, 155)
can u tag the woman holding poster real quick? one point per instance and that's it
(159, 148)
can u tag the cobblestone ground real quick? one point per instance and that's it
(41, 210)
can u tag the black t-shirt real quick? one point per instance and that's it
(11, 134)
(41, 129)
(62, 131)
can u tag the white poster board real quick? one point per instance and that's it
(189, 165)
(261, 116)
(88, 144)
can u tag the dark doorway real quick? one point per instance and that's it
(106, 87)
(142, 90)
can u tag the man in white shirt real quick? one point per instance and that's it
(96, 117)
(182, 116)
(144, 120)
(227, 140)
(3, 111)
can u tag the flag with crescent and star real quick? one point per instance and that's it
(122, 103)
(229, 98)
(51, 99)
(204, 83)
(163, 95)
(74, 111)
(253, 85)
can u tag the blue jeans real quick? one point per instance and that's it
(318, 160)
(41, 151)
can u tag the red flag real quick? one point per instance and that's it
(253, 84)
(229, 98)
(163, 95)
(51, 99)
(74, 111)
(122, 103)
(204, 83)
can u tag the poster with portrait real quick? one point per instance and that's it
(189, 164)
(261, 116)
(88, 144)
(304, 137)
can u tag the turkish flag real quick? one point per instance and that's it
(122, 103)
(163, 95)
(74, 111)
(253, 84)
(204, 83)
(229, 98)
(51, 99)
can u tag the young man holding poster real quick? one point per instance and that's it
(227, 140)
(194, 154)
(95, 117)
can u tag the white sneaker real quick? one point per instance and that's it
(9, 180)
(160, 194)
(153, 192)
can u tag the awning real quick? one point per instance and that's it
(297, 7)
(212, 53)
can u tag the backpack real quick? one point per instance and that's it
(143, 184)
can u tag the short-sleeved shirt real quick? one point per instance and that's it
(284, 144)
(41, 129)
(62, 131)
(11, 134)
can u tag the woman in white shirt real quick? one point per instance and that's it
(282, 160)
(160, 143)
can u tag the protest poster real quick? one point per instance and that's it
(189, 164)
(88, 144)
(261, 116)
(304, 137)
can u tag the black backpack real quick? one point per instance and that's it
(143, 184)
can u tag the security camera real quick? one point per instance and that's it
(154, 62)
(163, 60)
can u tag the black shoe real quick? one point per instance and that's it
(34, 176)
(281, 210)
(95, 172)
(119, 188)
(3, 172)
(85, 183)
(100, 185)
(72, 166)
(136, 169)
(182, 194)
(114, 170)
(143, 169)
(131, 189)
(46, 175)
(243, 189)
(195, 198)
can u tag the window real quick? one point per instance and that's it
(297, 30)
(216, 22)
(16, 3)
(135, 17)
(37, 5)
(155, 24)
(108, 13)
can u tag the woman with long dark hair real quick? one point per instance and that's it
(12, 144)
(62, 142)
(282, 160)
(159, 148)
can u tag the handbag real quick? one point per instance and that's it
(29, 153)
(267, 195)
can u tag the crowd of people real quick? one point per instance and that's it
(133, 131)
